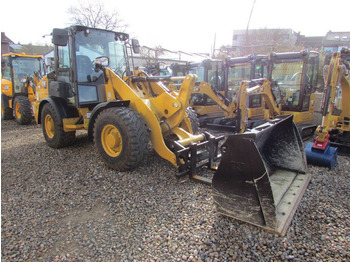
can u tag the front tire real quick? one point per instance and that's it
(52, 127)
(121, 137)
(22, 110)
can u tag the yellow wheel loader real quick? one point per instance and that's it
(92, 89)
(20, 75)
(334, 131)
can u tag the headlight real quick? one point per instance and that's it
(6, 88)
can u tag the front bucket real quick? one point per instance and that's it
(261, 177)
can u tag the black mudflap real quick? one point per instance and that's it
(261, 177)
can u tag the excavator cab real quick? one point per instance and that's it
(20, 75)
(209, 71)
(250, 67)
(293, 78)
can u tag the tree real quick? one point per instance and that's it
(94, 14)
(151, 55)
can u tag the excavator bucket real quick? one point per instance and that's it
(262, 175)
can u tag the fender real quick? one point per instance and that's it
(100, 107)
(57, 104)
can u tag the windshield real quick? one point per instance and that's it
(236, 74)
(94, 44)
(199, 71)
(26, 66)
(287, 75)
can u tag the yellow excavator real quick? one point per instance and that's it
(334, 131)
(92, 89)
(235, 70)
(293, 77)
(218, 83)
(20, 75)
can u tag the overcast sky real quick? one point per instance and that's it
(184, 25)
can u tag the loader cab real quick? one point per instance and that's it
(293, 79)
(81, 53)
(17, 70)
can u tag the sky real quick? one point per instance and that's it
(186, 25)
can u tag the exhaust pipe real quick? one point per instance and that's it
(262, 175)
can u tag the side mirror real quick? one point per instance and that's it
(59, 37)
(135, 46)
(102, 60)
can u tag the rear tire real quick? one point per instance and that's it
(52, 127)
(22, 110)
(121, 137)
(6, 111)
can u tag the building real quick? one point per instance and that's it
(335, 41)
(5, 44)
(259, 40)
(310, 42)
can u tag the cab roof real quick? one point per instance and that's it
(22, 55)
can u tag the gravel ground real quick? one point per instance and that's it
(66, 205)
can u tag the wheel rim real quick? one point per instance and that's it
(111, 139)
(18, 114)
(49, 126)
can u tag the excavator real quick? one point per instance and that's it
(214, 95)
(334, 132)
(20, 75)
(258, 177)
(236, 70)
(293, 77)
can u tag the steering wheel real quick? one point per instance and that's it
(294, 77)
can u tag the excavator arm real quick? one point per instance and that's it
(255, 87)
(334, 130)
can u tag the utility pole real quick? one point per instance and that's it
(214, 46)
(250, 16)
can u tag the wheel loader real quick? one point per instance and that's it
(334, 131)
(258, 177)
(20, 75)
